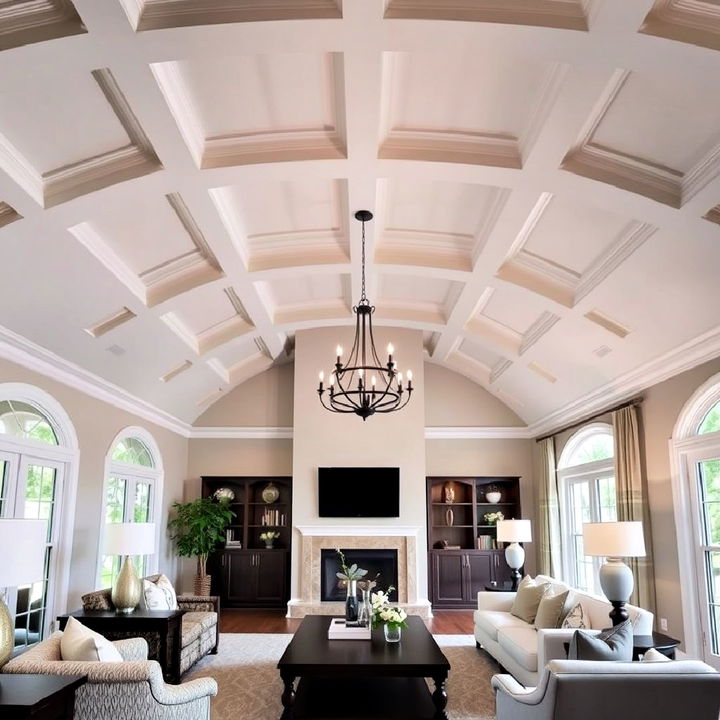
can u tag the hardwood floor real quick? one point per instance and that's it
(444, 622)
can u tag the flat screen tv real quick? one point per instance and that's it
(363, 492)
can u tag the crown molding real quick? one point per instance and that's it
(31, 21)
(20, 350)
(478, 433)
(241, 433)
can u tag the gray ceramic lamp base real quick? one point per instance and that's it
(127, 590)
(616, 581)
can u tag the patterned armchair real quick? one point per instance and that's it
(130, 690)
(200, 632)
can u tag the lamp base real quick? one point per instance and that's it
(126, 593)
(7, 633)
(515, 558)
(618, 614)
(616, 581)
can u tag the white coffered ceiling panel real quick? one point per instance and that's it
(178, 183)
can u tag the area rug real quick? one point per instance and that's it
(249, 685)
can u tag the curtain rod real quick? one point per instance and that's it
(627, 403)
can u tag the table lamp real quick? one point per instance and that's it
(615, 540)
(128, 539)
(22, 564)
(514, 532)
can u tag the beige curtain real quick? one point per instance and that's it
(549, 547)
(632, 500)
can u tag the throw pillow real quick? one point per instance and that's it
(527, 599)
(615, 643)
(159, 595)
(653, 655)
(550, 610)
(575, 618)
(83, 644)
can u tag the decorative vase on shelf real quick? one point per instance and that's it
(351, 602)
(449, 517)
(268, 545)
(393, 633)
(449, 493)
(493, 496)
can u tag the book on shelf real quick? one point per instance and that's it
(273, 518)
(486, 542)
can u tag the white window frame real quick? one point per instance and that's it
(133, 474)
(570, 474)
(65, 458)
(687, 448)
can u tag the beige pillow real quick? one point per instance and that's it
(653, 655)
(159, 595)
(82, 644)
(551, 610)
(527, 599)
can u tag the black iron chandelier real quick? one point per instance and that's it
(363, 385)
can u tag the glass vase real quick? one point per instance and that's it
(351, 602)
(393, 633)
(365, 611)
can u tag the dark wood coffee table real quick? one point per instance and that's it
(357, 678)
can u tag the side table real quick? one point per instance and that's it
(500, 587)
(38, 697)
(115, 626)
(662, 643)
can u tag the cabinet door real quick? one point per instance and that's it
(448, 577)
(271, 574)
(501, 570)
(240, 576)
(479, 567)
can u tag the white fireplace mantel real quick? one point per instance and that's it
(359, 530)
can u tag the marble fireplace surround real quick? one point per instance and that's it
(315, 538)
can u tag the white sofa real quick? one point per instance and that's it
(524, 651)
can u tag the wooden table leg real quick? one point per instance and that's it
(288, 696)
(175, 650)
(440, 697)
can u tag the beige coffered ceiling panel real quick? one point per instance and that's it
(153, 246)
(713, 215)
(653, 134)
(425, 117)
(306, 298)
(61, 136)
(23, 22)
(546, 270)
(297, 109)
(570, 14)
(689, 21)
(239, 360)
(422, 299)
(8, 214)
(207, 318)
(436, 224)
(156, 14)
(496, 364)
(286, 223)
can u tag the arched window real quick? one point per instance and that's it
(132, 493)
(696, 499)
(586, 477)
(38, 471)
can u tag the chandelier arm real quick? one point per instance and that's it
(350, 404)
(372, 339)
(400, 406)
(334, 405)
(394, 401)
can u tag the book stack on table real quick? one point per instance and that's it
(339, 630)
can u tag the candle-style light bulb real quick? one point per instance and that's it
(339, 351)
(409, 375)
(399, 381)
(321, 375)
(373, 381)
(390, 349)
(360, 372)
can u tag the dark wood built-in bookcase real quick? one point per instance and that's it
(462, 554)
(245, 573)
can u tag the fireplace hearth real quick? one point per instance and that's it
(382, 562)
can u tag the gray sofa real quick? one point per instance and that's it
(130, 690)
(572, 689)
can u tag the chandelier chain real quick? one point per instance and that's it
(363, 297)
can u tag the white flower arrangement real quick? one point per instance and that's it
(269, 536)
(493, 517)
(385, 614)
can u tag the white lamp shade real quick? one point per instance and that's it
(614, 539)
(514, 531)
(129, 539)
(24, 561)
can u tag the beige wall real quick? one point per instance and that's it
(488, 457)
(324, 439)
(96, 424)
(451, 400)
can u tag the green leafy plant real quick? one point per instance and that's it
(349, 573)
(199, 527)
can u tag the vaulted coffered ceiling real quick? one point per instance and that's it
(178, 182)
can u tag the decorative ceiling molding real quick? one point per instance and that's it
(110, 323)
(241, 370)
(689, 21)
(545, 13)
(537, 330)
(609, 324)
(241, 433)
(8, 215)
(160, 283)
(542, 372)
(23, 22)
(84, 176)
(713, 215)
(175, 371)
(477, 433)
(249, 146)
(158, 14)
(656, 181)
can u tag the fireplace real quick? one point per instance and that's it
(382, 562)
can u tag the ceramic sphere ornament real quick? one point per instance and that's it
(270, 493)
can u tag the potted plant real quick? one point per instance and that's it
(197, 529)
(269, 538)
(392, 618)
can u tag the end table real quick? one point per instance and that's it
(662, 643)
(41, 697)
